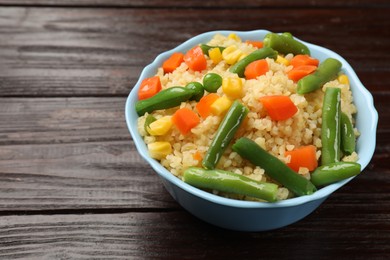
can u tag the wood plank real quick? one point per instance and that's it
(72, 184)
(197, 4)
(62, 120)
(74, 52)
(330, 232)
(78, 176)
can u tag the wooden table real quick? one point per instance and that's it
(72, 184)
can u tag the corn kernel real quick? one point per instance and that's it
(215, 55)
(282, 60)
(234, 37)
(231, 54)
(161, 126)
(232, 87)
(220, 106)
(243, 55)
(343, 79)
(159, 150)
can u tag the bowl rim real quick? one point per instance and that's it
(321, 193)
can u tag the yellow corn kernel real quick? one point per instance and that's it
(343, 79)
(220, 106)
(231, 54)
(215, 55)
(234, 37)
(243, 55)
(282, 60)
(232, 87)
(161, 126)
(159, 150)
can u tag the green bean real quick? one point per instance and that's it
(273, 167)
(198, 90)
(205, 48)
(259, 54)
(167, 98)
(225, 133)
(287, 34)
(330, 128)
(334, 172)
(148, 120)
(225, 181)
(325, 72)
(348, 139)
(285, 43)
(212, 82)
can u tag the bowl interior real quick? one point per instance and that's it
(366, 122)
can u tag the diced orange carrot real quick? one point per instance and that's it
(256, 68)
(149, 87)
(197, 156)
(185, 119)
(301, 71)
(173, 62)
(303, 65)
(303, 59)
(204, 105)
(195, 59)
(304, 156)
(257, 44)
(279, 107)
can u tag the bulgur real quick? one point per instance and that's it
(276, 137)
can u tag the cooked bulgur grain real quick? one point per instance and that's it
(303, 128)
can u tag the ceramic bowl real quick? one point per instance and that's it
(248, 215)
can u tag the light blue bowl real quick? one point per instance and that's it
(246, 215)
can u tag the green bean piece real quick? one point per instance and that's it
(273, 167)
(326, 71)
(148, 120)
(330, 128)
(212, 82)
(198, 90)
(225, 181)
(205, 48)
(167, 98)
(348, 139)
(285, 43)
(225, 133)
(265, 52)
(334, 172)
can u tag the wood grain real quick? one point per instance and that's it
(57, 153)
(72, 185)
(63, 52)
(78, 176)
(198, 4)
(178, 235)
(62, 120)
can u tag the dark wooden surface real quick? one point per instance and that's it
(71, 182)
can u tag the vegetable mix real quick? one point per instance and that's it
(338, 136)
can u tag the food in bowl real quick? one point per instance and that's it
(250, 120)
